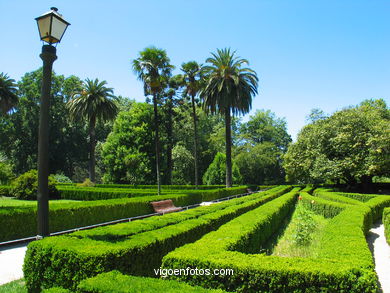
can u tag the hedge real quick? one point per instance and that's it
(66, 260)
(322, 206)
(23, 220)
(96, 193)
(326, 194)
(358, 196)
(345, 263)
(163, 187)
(386, 223)
(115, 282)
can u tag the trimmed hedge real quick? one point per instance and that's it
(326, 194)
(79, 214)
(96, 193)
(321, 206)
(116, 282)
(358, 196)
(66, 260)
(163, 187)
(345, 263)
(386, 223)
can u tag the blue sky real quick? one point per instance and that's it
(307, 54)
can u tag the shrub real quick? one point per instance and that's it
(327, 194)
(87, 183)
(66, 260)
(61, 178)
(305, 227)
(5, 190)
(322, 206)
(130, 284)
(26, 186)
(216, 172)
(386, 223)
(6, 173)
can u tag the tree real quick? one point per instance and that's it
(263, 141)
(128, 150)
(152, 68)
(229, 88)
(192, 82)
(95, 102)
(8, 93)
(351, 146)
(216, 172)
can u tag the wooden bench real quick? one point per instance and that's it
(164, 206)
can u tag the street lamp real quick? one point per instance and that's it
(51, 28)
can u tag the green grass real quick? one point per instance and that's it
(287, 245)
(13, 202)
(17, 286)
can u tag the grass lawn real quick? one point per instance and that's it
(12, 202)
(17, 286)
(301, 237)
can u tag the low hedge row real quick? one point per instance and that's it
(23, 220)
(116, 282)
(386, 223)
(345, 263)
(66, 260)
(358, 196)
(163, 187)
(322, 206)
(327, 194)
(96, 193)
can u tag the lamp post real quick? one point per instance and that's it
(51, 28)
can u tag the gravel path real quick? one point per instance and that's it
(11, 262)
(381, 252)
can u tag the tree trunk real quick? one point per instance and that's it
(195, 141)
(157, 143)
(92, 144)
(170, 141)
(228, 132)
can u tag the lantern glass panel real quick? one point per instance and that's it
(44, 28)
(58, 28)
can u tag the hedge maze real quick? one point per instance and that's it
(226, 235)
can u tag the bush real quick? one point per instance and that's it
(322, 206)
(131, 248)
(87, 183)
(386, 223)
(106, 282)
(26, 186)
(216, 172)
(6, 174)
(344, 263)
(5, 190)
(61, 178)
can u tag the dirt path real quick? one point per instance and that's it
(381, 252)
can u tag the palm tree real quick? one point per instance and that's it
(229, 88)
(8, 97)
(95, 102)
(192, 83)
(153, 68)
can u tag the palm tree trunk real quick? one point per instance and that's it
(195, 141)
(170, 141)
(92, 143)
(228, 135)
(157, 143)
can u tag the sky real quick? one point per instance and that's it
(325, 54)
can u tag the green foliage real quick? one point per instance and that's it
(130, 284)
(183, 165)
(61, 178)
(216, 172)
(8, 93)
(6, 173)
(304, 228)
(108, 248)
(352, 145)
(87, 183)
(386, 223)
(338, 197)
(26, 186)
(56, 290)
(17, 286)
(129, 149)
(5, 190)
(322, 206)
(344, 262)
